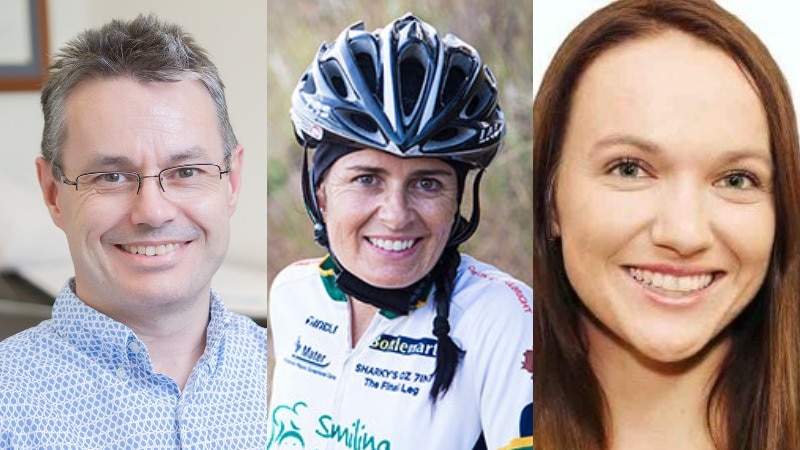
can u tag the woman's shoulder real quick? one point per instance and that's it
(298, 271)
(480, 281)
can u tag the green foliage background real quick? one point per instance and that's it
(501, 31)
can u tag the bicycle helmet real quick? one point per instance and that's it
(402, 89)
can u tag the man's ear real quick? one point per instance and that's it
(50, 192)
(235, 177)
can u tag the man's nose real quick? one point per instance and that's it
(151, 205)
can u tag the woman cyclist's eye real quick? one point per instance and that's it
(429, 184)
(365, 179)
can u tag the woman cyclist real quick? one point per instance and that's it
(395, 339)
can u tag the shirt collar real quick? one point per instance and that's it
(107, 341)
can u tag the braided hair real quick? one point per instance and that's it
(448, 354)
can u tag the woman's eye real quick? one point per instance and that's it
(739, 180)
(367, 180)
(628, 168)
(429, 184)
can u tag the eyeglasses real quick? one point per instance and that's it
(177, 183)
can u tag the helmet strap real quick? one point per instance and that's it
(312, 207)
(398, 301)
(463, 229)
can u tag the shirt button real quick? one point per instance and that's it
(121, 373)
(134, 347)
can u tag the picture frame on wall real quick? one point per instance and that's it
(23, 44)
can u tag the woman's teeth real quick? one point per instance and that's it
(671, 282)
(392, 246)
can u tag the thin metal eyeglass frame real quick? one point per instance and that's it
(139, 177)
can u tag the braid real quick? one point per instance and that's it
(448, 354)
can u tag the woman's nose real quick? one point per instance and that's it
(395, 210)
(682, 222)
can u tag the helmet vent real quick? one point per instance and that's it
(445, 135)
(459, 65)
(412, 78)
(363, 121)
(480, 100)
(453, 82)
(308, 85)
(333, 74)
(366, 66)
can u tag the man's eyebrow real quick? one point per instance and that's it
(109, 161)
(123, 162)
(191, 153)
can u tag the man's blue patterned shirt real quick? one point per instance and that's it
(84, 381)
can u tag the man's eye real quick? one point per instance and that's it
(187, 172)
(112, 178)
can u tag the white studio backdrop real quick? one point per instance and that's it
(774, 21)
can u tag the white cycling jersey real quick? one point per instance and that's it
(329, 394)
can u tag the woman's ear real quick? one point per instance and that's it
(321, 199)
(553, 228)
(554, 231)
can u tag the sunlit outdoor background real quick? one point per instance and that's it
(502, 34)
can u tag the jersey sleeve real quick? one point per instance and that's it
(501, 353)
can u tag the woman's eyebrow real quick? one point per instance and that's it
(365, 168)
(614, 140)
(730, 155)
(417, 173)
(433, 172)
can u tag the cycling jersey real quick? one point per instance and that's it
(329, 394)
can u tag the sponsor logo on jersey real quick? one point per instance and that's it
(292, 426)
(527, 362)
(404, 345)
(309, 355)
(355, 436)
(514, 287)
(321, 325)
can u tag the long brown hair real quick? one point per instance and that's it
(756, 389)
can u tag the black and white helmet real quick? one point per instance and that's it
(402, 89)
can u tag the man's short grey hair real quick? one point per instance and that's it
(144, 49)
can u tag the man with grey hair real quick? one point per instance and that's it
(141, 170)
